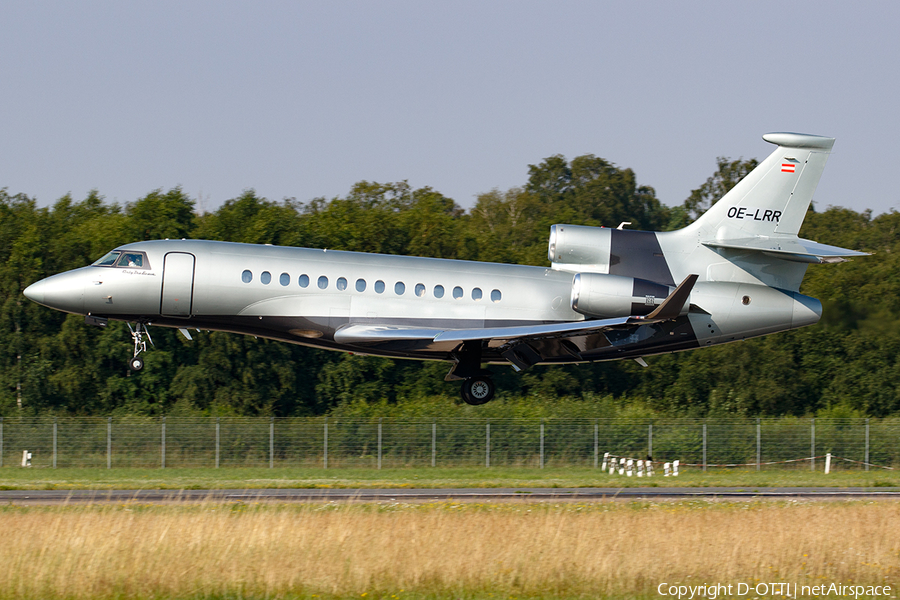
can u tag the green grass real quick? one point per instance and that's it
(17, 478)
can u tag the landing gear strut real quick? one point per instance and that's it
(477, 387)
(137, 334)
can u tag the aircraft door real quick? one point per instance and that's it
(178, 284)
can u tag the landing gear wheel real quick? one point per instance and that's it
(137, 334)
(478, 390)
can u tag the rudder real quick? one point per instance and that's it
(774, 197)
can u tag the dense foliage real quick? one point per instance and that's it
(53, 362)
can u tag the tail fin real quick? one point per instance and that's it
(774, 197)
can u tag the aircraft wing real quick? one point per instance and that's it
(571, 338)
(377, 334)
(792, 249)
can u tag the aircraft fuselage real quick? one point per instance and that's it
(307, 296)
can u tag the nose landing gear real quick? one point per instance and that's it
(137, 334)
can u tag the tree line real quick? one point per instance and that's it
(53, 363)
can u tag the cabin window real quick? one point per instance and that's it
(360, 285)
(108, 260)
(379, 286)
(285, 279)
(496, 295)
(304, 281)
(247, 276)
(399, 288)
(457, 292)
(266, 277)
(438, 291)
(341, 283)
(476, 293)
(420, 289)
(322, 283)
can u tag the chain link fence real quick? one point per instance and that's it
(383, 443)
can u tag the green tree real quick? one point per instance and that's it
(728, 174)
(161, 215)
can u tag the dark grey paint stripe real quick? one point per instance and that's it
(638, 254)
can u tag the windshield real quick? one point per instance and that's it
(108, 260)
(134, 260)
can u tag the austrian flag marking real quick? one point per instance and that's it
(787, 167)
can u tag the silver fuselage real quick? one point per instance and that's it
(204, 285)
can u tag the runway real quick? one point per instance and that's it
(63, 497)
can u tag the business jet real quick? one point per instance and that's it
(609, 293)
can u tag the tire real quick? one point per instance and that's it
(478, 390)
(136, 364)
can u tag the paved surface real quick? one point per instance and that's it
(31, 497)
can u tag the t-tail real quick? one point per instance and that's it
(772, 200)
(750, 234)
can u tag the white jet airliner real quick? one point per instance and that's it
(609, 293)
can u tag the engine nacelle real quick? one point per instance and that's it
(588, 247)
(601, 295)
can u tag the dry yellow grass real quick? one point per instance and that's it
(446, 550)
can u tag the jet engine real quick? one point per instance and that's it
(601, 295)
(587, 247)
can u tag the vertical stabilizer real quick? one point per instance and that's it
(773, 199)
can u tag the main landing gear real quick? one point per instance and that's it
(478, 388)
(137, 334)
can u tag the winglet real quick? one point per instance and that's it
(672, 305)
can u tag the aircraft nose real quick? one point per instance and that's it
(63, 292)
(35, 292)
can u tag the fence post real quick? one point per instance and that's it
(596, 442)
(1, 441)
(650, 440)
(379, 441)
(704, 447)
(812, 445)
(433, 442)
(758, 444)
(866, 460)
(109, 442)
(163, 448)
(542, 443)
(271, 442)
(54, 442)
(217, 442)
(326, 442)
(487, 444)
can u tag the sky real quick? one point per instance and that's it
(303, 99)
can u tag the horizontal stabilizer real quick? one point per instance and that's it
(789, 248)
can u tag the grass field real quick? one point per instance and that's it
(446, 550)
(464, 477)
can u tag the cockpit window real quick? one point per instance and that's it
(108, 260)
(133, 260)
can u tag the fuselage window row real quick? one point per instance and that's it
(341, 284)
